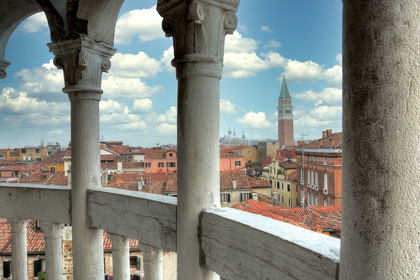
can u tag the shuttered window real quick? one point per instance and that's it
(6, 269)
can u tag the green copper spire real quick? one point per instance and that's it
(284, 93)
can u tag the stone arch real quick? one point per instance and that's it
(12, 13)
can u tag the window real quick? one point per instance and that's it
(246, 196)
(309, 199)
(302, 174)
(316, 200)
(53, 169)
(302, 195)
(225, 197)
(316, 178)
(161, 164)
(312, 176)
(297, 202)
(282, 199)
(135, 262)
(171, 154)
(39, 266)
(237, 163)
(325, 202)
(23, 151)
(325, 181)
(148, 164)
(7, 268)
(249, 153)
(325, 161)
(271, 183)
(309, 176)
(289, 201)
(37, 151)
(278, 185)
(271, 170)
(282, 186)
(288, 187)
(170, 164)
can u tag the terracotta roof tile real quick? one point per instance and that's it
(58, 179)
(55, 158)
(333, 141)
(288, 165)
(292, 176)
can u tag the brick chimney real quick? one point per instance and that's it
(326, 133)
(8, 154)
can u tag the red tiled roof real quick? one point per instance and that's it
(333, 141)
(289, 153)
(126, 164)
(267, 161)
(29, 167)
(125, 181)
(292, 176)
(314, 217)
(255, 183)
(108, 157)
(4, 162)
(55, 158)
(36, 178)
(228, 153)
(158, 153)
(241, 147)
(35, 240)
(58, 179)
(288, 165)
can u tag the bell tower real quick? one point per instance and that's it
(285, 117)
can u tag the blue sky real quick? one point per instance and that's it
(299, 39)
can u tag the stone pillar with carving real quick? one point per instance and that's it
(53, 250)
(3, 65)
(83, 60)
(198, 29)
(19, 250)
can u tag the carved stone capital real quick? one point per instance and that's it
(3, 65)
(198, 27)
(83, 60)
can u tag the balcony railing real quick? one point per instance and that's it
(235, 244)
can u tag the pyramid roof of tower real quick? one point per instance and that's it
(284, 93)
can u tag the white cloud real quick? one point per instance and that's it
(113, 106)
(333, 76)
(34, 23)
(266, 29)
(254, 120)
(326, 96)
(166, 59)
(243, 28)
(296, 71)
(273, 44)
(134, 65)
(166, 129)
(144, 23)
(339, 58)
(238, 44)
(311, 123)
(327, 113)
(142, 106)
(170, 116)
(18, 103)
(227, 107)
(41, 80)
(127, 88)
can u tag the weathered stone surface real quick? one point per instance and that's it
(240, 245)
(381, 147)
(35, 202)
(149, 218)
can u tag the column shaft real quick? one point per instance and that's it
(120, 257)
(152, 260)
(381, 128)
(85, 158)
(198, 158)
(53, 250)
(19, 250)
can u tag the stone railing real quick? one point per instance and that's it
(234, 244)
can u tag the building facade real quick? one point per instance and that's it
(285, 117)
(320, 171)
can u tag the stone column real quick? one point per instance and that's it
(152, 260)
(120, 257)
(83, 60)
(19, 250)
(53, 250)
(381, 128)
(3, 65)
(198, 29)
